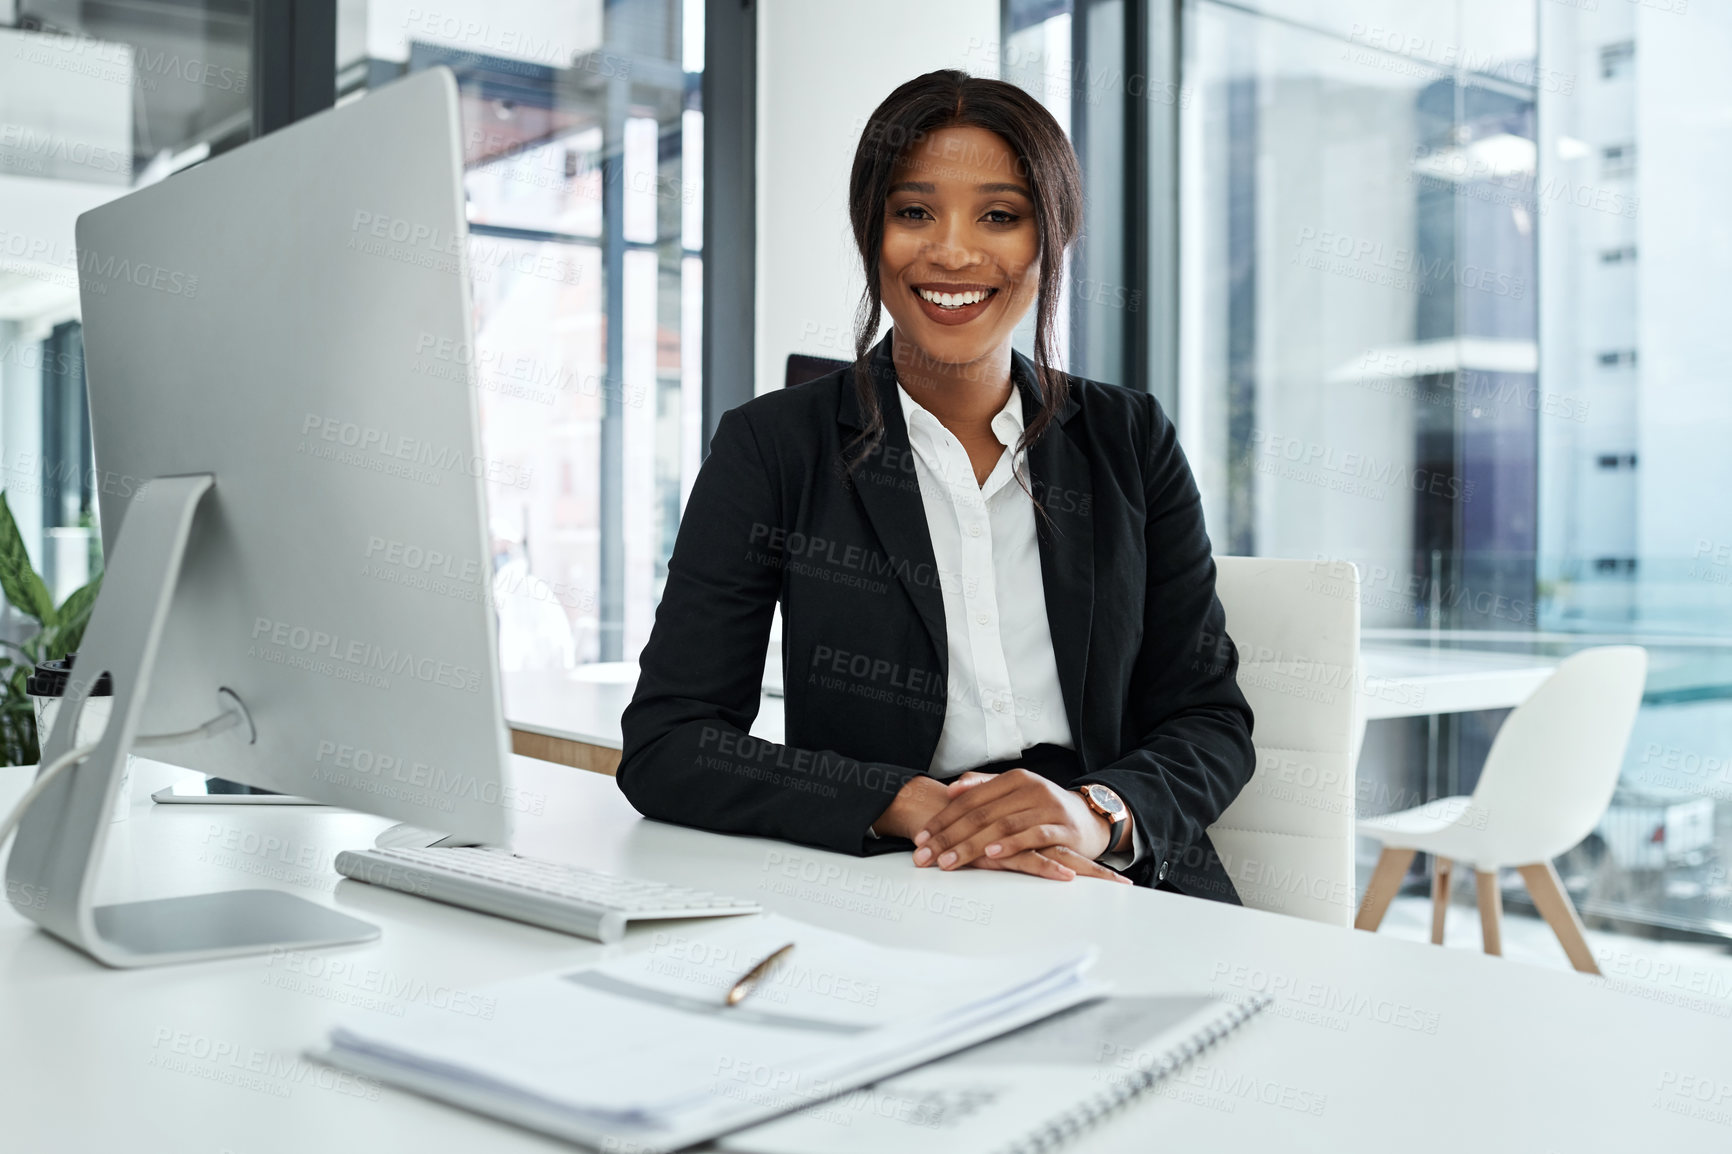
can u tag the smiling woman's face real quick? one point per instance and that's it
(960, 264)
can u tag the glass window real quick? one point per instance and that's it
(95, 100)
(583, 133)
(1431, 323)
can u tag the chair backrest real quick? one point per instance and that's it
(1287, 839)
(803, 368)
(1554, 763)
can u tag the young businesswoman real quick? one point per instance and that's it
(1001, 643)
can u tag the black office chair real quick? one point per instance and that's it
(802, 368)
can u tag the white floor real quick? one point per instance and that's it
(1684, 968)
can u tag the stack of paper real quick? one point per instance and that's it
(642, 1052)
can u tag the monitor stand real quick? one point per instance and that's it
(60, 842)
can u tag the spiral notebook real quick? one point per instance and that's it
(640, 1052)
(1024, 1092)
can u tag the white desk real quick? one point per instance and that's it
(1375, 1043)
(1416, 680)
(573, 718)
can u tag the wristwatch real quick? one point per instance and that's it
(1110, 806)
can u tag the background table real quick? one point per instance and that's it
(1365, 1048)
(573, 717)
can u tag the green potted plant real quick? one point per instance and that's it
(61, 629)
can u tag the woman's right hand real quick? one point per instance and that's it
(922, 798)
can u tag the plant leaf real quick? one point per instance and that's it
(18, 579)
(73, 616)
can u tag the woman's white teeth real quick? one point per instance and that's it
(954, 300)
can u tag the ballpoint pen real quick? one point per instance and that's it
(750, 979)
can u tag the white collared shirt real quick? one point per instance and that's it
(1003, 692)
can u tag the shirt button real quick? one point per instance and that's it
(982, 618)
(974, 530)
(1162, 876)
(998, 706)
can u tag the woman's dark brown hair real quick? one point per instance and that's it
(1044, 157)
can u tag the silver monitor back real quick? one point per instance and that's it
(262, 318)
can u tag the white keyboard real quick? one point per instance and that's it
(559, 897)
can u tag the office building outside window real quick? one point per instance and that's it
(583, 132)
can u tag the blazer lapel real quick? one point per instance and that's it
(889, 490)
(1060, 479)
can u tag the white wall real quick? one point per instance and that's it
(823, 66)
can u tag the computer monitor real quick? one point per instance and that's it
(290, 474)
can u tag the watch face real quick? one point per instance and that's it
(1107, 800)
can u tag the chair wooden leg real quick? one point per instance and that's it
(1440, 878)
(1385, 881)
(1560, 913)
(1490, 910)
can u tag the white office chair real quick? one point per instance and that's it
(1547, 779)
(1287, 839)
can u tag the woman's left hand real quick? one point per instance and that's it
(997, 816)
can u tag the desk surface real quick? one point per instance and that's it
(1399, 680)
(1374, 1042)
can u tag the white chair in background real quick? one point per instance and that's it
(1287, 839)
(1547, 780)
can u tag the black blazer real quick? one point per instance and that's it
(1147, 674)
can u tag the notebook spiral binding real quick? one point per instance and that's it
(1133, 1086)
